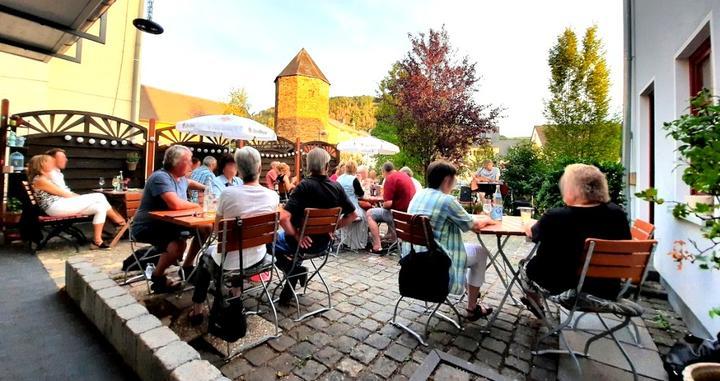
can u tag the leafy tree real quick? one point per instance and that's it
(432, 94)
(358, 112)
(578, 109)
(525, 170)
(475, 158)
(266, 117)
(238, 103)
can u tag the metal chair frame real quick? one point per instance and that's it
(426, 240)
(596, 270)
(145, 252)
(316, 222)
(243, 233)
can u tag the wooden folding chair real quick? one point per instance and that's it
(237, 234)
(418, 232)
(316, 222)
(624, 261)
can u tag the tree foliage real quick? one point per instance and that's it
(578, 109)
(238, 103)
(432, 94)
(525, 170)
(266, 117)
(357, 112)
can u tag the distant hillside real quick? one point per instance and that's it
(358, 112)
(266, 117)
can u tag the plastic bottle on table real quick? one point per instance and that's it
(497, 210)
(209, 198)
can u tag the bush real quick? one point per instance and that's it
(549, 194)
(525, 170)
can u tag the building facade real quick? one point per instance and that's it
(671, 53)
(105, 81)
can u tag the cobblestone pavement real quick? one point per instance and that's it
(355, 340)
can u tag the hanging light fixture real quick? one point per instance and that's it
(147, 25)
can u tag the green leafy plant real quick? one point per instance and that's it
(133, 157)
(698, 133)
(13, 205)
(525, 170)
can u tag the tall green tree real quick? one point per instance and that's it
(358, 111)
(238, 103)
(580, 125)
(433, 97)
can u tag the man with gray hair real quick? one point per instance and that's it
(406, 170)
(203, 173)
(314, 191)
(248, 199)
(166, 189)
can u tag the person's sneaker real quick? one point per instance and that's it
(302, 279)
(285, 296)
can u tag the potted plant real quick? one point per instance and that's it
(132, 160)
(13, 211)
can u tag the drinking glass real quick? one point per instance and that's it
(101, 182)
(525, 214)
(487, 206)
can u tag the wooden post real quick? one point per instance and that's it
(150, 149)
(4, 119)
(298, 157)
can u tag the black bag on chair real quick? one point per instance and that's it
(227, 319)
(425, 275)
(689, 351)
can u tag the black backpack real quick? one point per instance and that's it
(227, 319)
(689, 351)
(425, 275)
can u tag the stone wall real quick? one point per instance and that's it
(152, 350)
(302, 108)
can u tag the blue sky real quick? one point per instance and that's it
(211, 47)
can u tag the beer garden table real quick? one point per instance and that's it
(510, 226)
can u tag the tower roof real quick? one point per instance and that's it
(303, 64)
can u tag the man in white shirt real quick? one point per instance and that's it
(409, 172)
(56, 176)
(244, 200)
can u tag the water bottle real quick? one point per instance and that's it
(149, 270)
(497, 210)
(208, 197)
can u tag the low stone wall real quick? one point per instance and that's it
(152, 350)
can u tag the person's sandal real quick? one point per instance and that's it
(381, 252)
(99, 246)
(539, 313)
(160, 285)
(478, 312)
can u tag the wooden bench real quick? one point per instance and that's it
(33, 217)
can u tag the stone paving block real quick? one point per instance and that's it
(344, 344)
(110, 292)
(328, 356)
(350, 367)
(157, 337)
(383, 367)
(283, 363)
(494, 345)
(398, 352)
(120, 301)
(175, 354)
(131, 311)
(358, 333)
(320, 339)
(364, 353)
(237, 368)
(259, 355)
(198, 370)
(518, 364)
(311, 370)
(282, 343)
(100, 283)
(303, 350)
(377, 341)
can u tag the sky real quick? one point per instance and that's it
(212, 47)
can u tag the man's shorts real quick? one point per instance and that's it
(381, 215)
(159, 234)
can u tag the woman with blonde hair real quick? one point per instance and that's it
(561, 232)
(285, 184)
(354, 235)
(56, 201)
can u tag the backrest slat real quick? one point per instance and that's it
(320, 221)
(413, 230)
(618, 259)
(642, 230)
(256, 230)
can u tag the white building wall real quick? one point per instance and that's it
(664, 32)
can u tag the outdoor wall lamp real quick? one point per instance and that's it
(147, 25)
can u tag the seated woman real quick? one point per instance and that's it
(228, 175)
(448, 220)
(285, 185)
(562, 231)
(354, 235)
(244, 200)
(56, 201)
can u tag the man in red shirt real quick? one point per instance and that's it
(272, 175)
(398, 190)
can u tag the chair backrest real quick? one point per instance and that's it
(414, 229)
(29, 192)
(242, 233)
(320, 221)
(642, 230)
(625, 260)
(465, 194)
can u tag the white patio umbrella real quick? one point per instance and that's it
(368, 145)
(229, 126)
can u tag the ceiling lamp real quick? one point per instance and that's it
(147, 25)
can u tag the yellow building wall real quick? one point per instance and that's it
(302, 108)
(102, 82)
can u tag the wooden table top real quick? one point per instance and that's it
(510, 225)
(372, 199)
(189, 218)
(110, 191)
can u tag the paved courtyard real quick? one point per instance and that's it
(356, 341)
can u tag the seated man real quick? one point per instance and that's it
(202, 174)
(562, 232)
(315, 191)
(398, 190)
(406, 170)
(245, 200)
(166, 189)
(271, 176)
(448, 220)
(487, 174)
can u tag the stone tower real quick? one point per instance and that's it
(302, 100)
